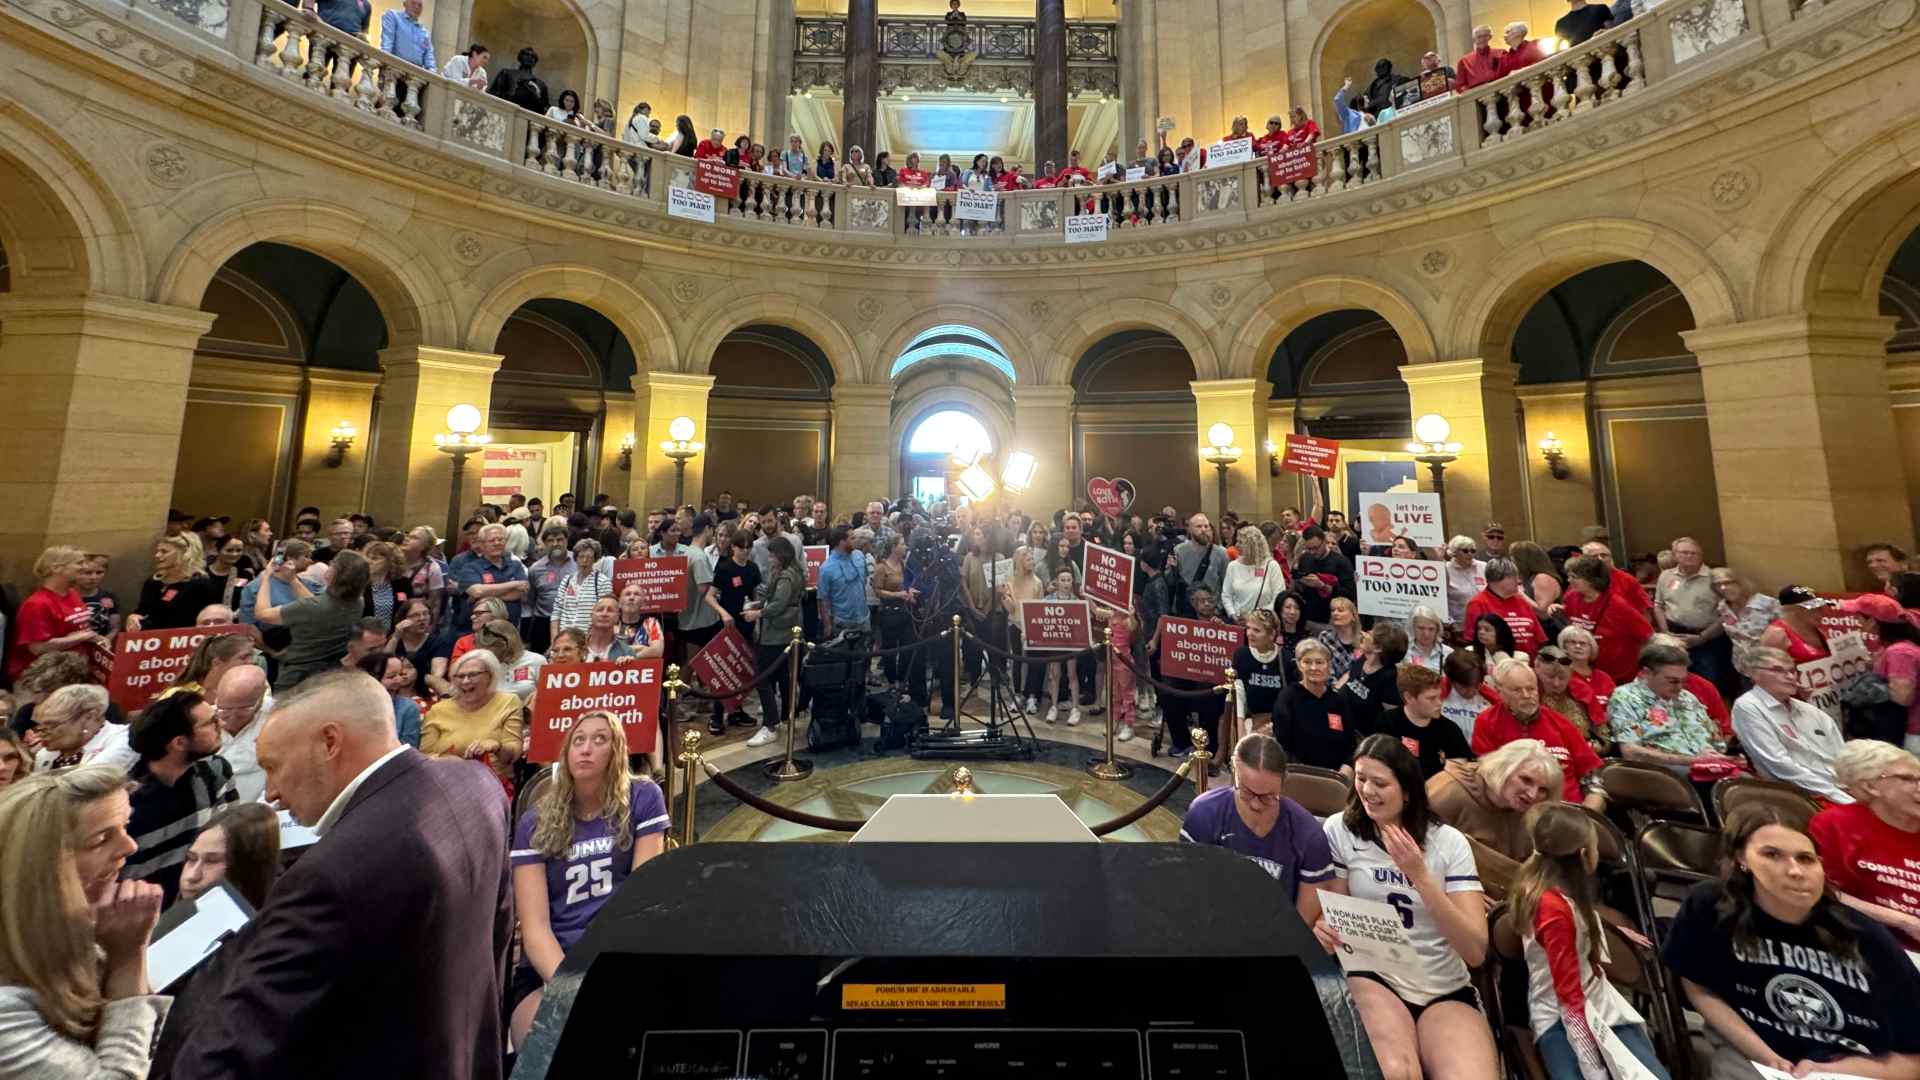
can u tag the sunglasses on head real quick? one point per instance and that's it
(1563, 661)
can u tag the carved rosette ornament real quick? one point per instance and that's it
(1733, 188)
(1435, 262)
(468, 249)
(686, 290)
(167, 165)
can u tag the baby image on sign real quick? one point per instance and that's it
(1412, 514)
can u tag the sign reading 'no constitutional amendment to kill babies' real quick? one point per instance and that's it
(662, 580)
(1310, 456)
(147, 663)
(1056, 624)
(629, 689)
(1394, 587)
(1196, 650)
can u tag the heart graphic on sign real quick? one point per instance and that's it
(1110, 497)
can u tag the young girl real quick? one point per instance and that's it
(1493, 640)
(1258, 670)
(1388, 847)
(1124, 625)
(1582, 1026)
(1059, 676)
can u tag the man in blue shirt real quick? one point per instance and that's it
(346, 16)
(486, 570)
(843, 586)
(402, 35)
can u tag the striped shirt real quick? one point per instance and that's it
(167, 817)
(573, 603)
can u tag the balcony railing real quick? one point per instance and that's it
(1454, 146)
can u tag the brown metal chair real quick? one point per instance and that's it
(1674, 851)
(1649, 792)
(1514, 1034)
(1322, 791)
(1737, 791)
(524, 799)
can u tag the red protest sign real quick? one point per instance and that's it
(662, 580)
(629, 689)
(1311, 457)
(713, 177)
(816, 558)
(1196, 650)
(1836, 625)
(146, 663)
(725, 665)
(1056, 624)
(1108, 577)
(1110, 497)
(1291, 163)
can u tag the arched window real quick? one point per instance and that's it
(947, 432)
(952, 339)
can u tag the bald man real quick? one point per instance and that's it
(241, 703)
(382, 951)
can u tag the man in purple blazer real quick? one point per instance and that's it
(382, 951)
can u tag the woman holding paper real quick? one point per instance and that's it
(1828, 989)
(74, 998)
(1583, 1027)
(1424, 1019)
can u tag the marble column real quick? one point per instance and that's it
(1049, 82)
(1805, 455)
(97, 387)
(861, 109)
(410, 479)
(1484, 483)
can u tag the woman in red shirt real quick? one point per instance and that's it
(1585, 681)
(1618, 628)
(54, 617)
(1304, 130)
(1502, 599)
(1867, 846)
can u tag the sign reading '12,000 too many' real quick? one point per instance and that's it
(1394, 587)
(1197, 650)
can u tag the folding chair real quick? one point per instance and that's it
(528, 794)
(1322, 791)
(1737, 791)
(1512, 1033)
(1644, 792)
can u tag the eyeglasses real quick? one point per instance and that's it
(237, 710)
(1901, 778)
(1563, 661)
(1257, 800)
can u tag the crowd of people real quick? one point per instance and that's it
(379, 692)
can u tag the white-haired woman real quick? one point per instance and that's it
(1466, 576)
(1254, 580)
(1867, 846)
(480, 721)
(54, 617)
(1488, 800)
(1424, 645)
(592, 825)
(74, 999)
(73, 729)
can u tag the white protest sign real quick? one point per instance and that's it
(971, 205)
(1107, 171)
(913, 196)
(1392, 588)
(688, 203)
(1231, 152)
(1413, 514)
(1821, 680)
(1086, 228)
(1138, 172)
(1372, 937)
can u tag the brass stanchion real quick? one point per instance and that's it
(957, 695)
(962, 781)
(1202, 759)
(1230, 716)
(669, 758)
(1110, 769)
(787, 769)
(690, 761)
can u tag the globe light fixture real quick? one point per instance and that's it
(1432, 446)
(681, 448)
(462, 437)
(1221, 454)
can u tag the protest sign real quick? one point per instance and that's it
(662, 580)
(712, 176)
(1086, 228)
(1433, 83)
(913, 196)
(146, 663)
(1394, 587)
(1107, 172)
(629, 689)
(1110, 497)
(1309, 456)
(1413, 514)
(1056, 624)
(1821, 680)
(1373, 937)
(971, 205)
(1292, 163)
(1231, 152)
(1108, 577)
(687, 203)
(1406, 95)
(1197, 650)
(1138, 172)
(1840, 627)
(1426, 102)
(816, 555)
(725, 665)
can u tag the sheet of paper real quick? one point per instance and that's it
(216, 914)
(1372, 936)
(1775, 1074)
(295, 835)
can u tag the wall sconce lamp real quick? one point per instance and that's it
(626, 453)
(1555, 451)
(1273, 458)
(342, 438)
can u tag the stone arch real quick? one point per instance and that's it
(1286, 310)
(1323, 82)
(1092, 324)
(411, 297)
(1485, 325)
(735, 308)
(492, 21)
(1005, 334)
(63, 228)
(1834, 244)
(624, 305)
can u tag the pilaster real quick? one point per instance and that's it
(1242, 405)
(1477, 398)
(861, 460)
(660, 397)
(410, 479)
